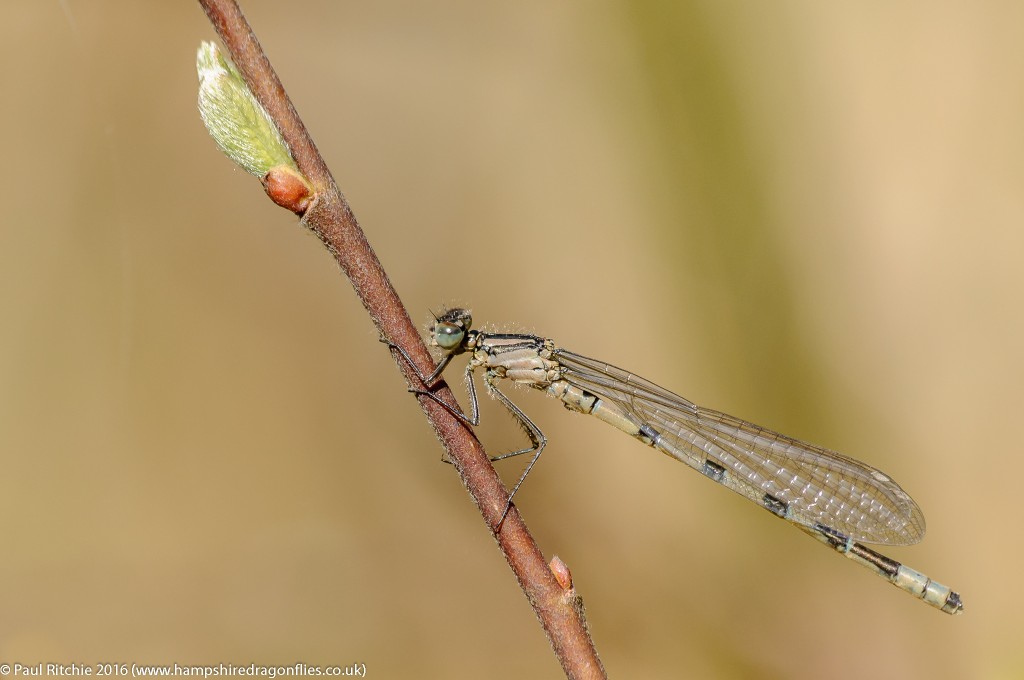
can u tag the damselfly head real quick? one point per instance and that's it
(450, 329)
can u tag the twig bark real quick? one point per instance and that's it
(331, 219)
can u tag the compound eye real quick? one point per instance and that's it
(448, 336)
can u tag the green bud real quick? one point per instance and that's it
(236, 121)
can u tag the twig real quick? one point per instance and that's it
(331, 219)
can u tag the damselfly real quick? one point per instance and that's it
(837, 500)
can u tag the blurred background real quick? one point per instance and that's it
(805, 214)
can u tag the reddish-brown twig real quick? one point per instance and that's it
(331, 219)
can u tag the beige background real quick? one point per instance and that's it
(807, 214)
